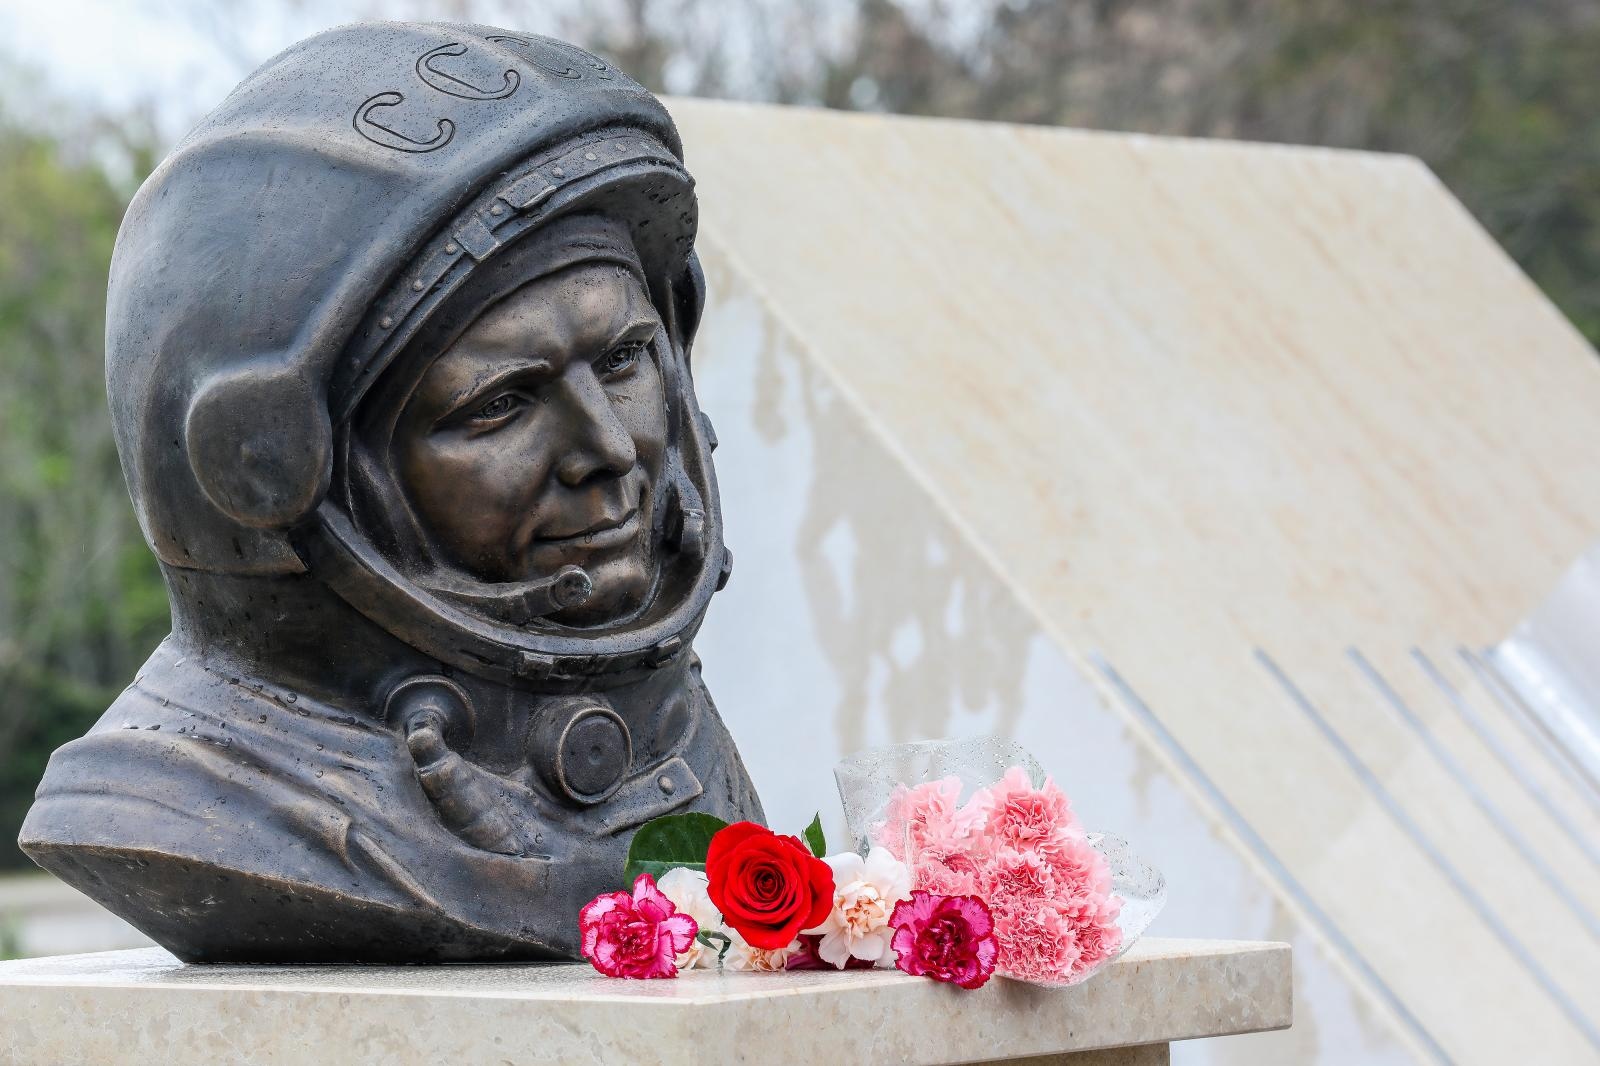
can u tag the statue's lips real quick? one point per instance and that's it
(606, 533)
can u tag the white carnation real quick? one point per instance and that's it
(864, 895)
(742, 956)
(687, 889)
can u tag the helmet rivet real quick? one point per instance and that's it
(451, 248)
(387, 322)
(497, 210)
(590, 156)
(558, 172)
(417, 285)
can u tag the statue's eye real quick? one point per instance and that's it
(496, 408)
(620, 360)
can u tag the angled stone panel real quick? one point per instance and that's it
(860, 615)
(1162, 456)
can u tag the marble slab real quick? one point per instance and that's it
(1067, 435)
(145, 1007)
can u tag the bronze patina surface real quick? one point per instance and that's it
(398, 361)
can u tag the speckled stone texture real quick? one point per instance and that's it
(143, 1007)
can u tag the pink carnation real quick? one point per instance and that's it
(947, 872)
(1017, 880)
(1024, 818)
(947, 938)
(1080, 870)
(927, 817)
(1099, 936)
(1038, 944)
(1021, 850)
(639, 936)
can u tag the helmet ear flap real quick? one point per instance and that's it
(260, 443)
(689, 300)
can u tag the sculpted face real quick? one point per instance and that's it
(536, 440)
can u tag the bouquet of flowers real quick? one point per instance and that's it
(969, 862)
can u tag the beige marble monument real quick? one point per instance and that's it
(1194, 466)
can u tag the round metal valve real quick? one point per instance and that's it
(581, 748)
(431, 700)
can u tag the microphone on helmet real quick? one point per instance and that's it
(523, 602)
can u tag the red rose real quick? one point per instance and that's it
(768, 887)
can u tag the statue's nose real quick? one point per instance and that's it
(598, 443)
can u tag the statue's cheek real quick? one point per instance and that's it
(478, 489)
(640, 404)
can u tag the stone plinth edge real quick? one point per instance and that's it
(140, 1007)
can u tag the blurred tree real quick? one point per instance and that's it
(1501, 100)
(81, 603)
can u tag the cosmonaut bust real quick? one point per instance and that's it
(398, 361)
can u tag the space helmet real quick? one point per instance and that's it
(300, 247)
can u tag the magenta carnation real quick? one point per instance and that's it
(947, 938)
(639, 935)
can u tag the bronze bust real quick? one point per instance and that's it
(398, 362)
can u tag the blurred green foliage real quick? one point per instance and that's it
(81, 603)
(10, 938)
(1501, 99)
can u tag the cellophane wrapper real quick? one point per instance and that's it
(873, 781)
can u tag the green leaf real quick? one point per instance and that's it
(675, 840)
(814, 838)
(655, 868)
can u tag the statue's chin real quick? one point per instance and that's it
(621, 582)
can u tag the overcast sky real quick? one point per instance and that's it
(178, 56)
(122, 53)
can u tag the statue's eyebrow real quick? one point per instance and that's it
(517, 373)
(639, 321)
(641, 325)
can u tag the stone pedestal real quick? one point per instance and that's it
(143, 1007)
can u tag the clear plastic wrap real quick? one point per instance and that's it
(980, 817)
